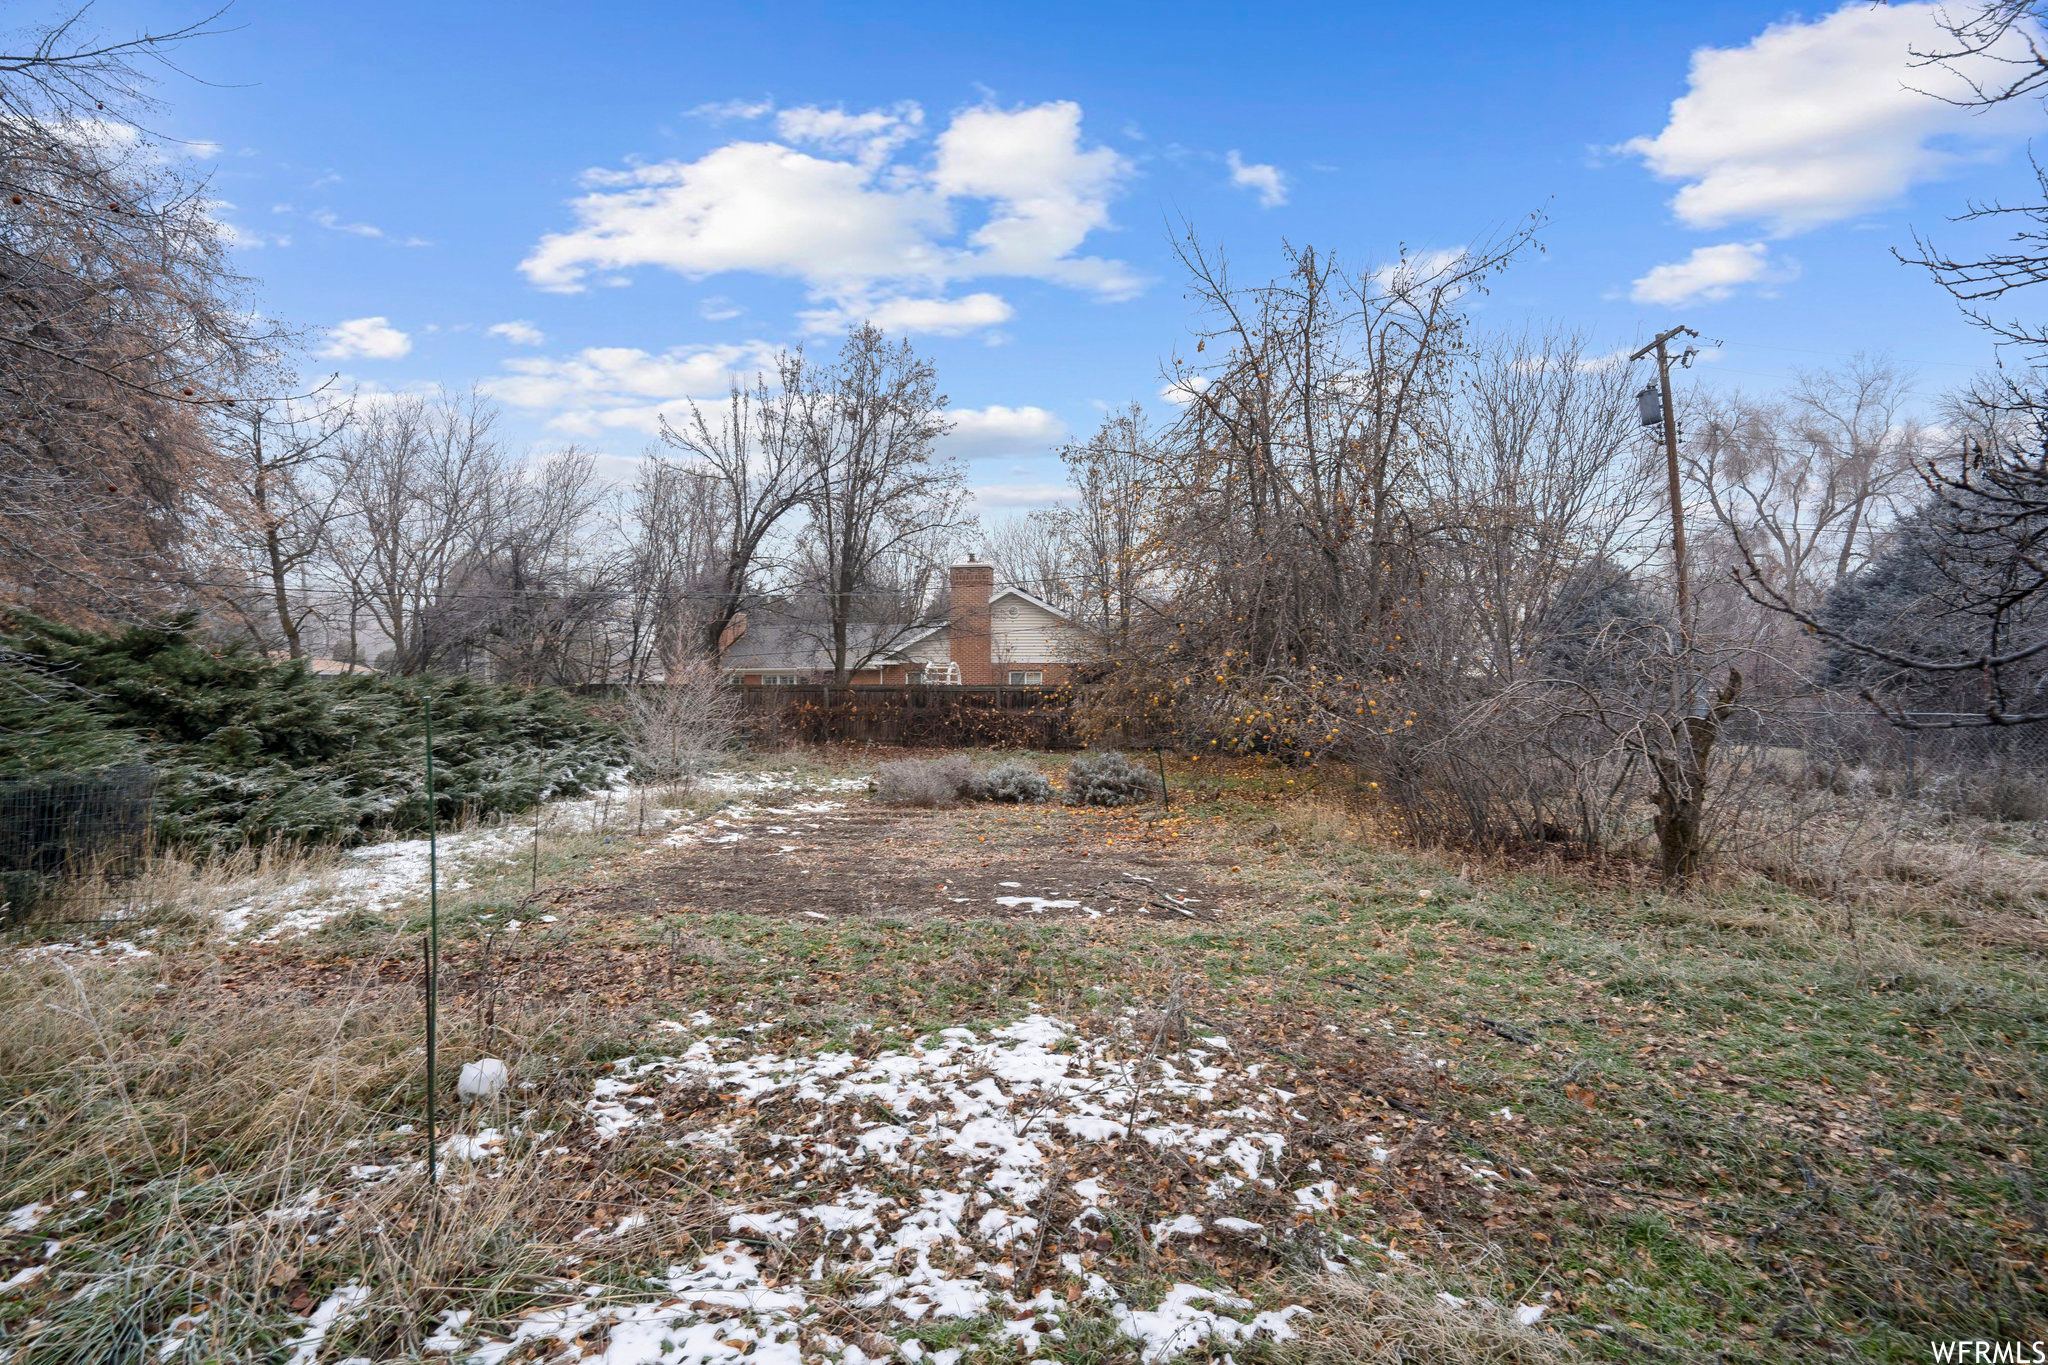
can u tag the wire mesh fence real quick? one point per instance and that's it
(67, 840)
(1972, 765)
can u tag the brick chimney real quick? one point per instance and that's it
(734, 629)
(972, 583)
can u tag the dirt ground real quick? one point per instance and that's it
(866, 861)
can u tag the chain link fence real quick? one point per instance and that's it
(68, 839)
(1999, 771)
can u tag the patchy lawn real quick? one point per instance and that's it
(797, 1076)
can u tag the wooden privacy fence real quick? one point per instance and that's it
(917, 714)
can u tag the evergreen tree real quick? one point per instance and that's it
(249, 750)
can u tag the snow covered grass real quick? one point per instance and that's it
(965, 1193)
(915, 1181)
(283, 892)
(842, 1204)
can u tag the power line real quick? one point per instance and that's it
(1838, 355)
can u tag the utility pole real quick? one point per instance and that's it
(1669, 419)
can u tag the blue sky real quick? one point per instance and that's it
(597, 211)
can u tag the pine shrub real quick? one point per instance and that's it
(1019, 783)
(1110, 778)
(924, 781)
(248, 750)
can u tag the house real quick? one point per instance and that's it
(323, 668)
(1004, 637)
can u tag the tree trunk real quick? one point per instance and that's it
(1682, 787)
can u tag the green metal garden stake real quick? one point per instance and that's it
(433, 942)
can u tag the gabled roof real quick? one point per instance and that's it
(774, 646)
(998, 595)
(1038, 602)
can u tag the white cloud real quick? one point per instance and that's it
(1710, 274)
(366, 339)
(861, 226)
(331, 220)
(517, 332)
(1046, 194)
(997, 496)
(368, 392)
(1266, 181)
(238, 237)
(614, 388)
(945, 317)
(994, 431)
(726, 111)
(1184, 389)
(871, 137)
(756, 206)
(718, 309)
(1810, 123)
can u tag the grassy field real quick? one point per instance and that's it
(1237, 1077)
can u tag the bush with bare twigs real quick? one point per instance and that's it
(924, 781)
(683, 728)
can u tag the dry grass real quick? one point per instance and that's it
(188, 1115)
(1404, 1318)
(190, 1095)
(175, 888)
(1864, 858)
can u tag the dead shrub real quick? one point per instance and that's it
(2009, 798)
(684, 728)
(924, 781)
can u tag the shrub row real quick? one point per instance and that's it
(1095, 779)
(247, 749)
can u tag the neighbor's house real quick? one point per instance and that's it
(991, 636)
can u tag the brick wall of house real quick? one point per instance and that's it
(1052, 674)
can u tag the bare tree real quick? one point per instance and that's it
(416, 480)
(537, 595)
(751, 468)
(1967, 574)
(120, 319)
(1993, 50)
(882, 505)
(1811, 483)
(1535, 471)
(1292, 514)
(1370, 526)
(1956, 610)
(1031, 551)
(276, 507)
(1110, 532)
(676, 530)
